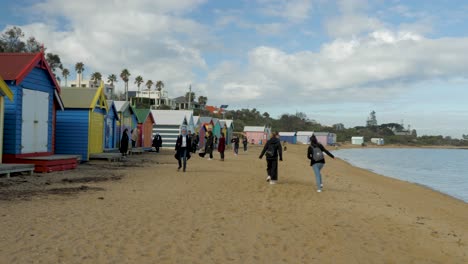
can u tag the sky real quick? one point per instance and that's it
(335, 61)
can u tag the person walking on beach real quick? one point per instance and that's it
(272, 150)
(182, 148)
(235, 141)
(209, 144)
(157, 142)
(124, 143)
(245, 142)
(222, 146)
(317, 159)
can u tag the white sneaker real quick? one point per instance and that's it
(272, 182)
(319, 190)
(268, 178)
(321, 185)
(209, 158)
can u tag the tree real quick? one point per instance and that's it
(148, 85)
(202, 100)
(65, 74)
(33, 46)
(372, 120)
(10, 40)
(79, 68)
(465, 137)
(125, 75)
(190, 96)
(96, 77)
(138, 82)
(112, 79)
(54, 62)
(159, 85)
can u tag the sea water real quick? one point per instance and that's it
(444, 170)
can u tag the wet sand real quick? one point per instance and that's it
(225, 212)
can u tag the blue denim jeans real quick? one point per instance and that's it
(317, 167)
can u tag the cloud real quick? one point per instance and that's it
(374, 67)
(154, 39)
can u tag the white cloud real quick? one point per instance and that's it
(150, 38)
(378, 66)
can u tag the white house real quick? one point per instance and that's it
(304, 137)
(357, 140)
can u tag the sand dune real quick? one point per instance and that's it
(225, 212)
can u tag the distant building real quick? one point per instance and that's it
(108, 89)
(257, 134)
(377, 141)
(157, 98)
(357, 140)
(181, 103)
(304, 137)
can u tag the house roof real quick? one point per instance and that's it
(305, 133)
(5, 90)
(215, 120)
(121, 105)
(16, 66)
(195, 119)
(254, 129)
(180, 99)
(143, 114)
(229, 122)
(205, 119)
(84, 97)
(321, 133)
(287, 134)
(169, 117)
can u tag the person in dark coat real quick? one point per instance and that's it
(183, 145)
(317, 159)
(222, 146)
(235, 142)
(272, 150)
(195, 141)
(209, 144)
(245, 142)
(124, 143)
(157, 142)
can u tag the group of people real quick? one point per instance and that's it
(273, 150)
(187, 143)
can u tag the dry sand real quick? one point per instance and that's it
(225, 212)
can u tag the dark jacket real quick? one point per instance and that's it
(180, 149)
(157, 141)
(124, 143)
(235, 141)
(310, 154)
(209, 143)
(222, 144)
(276, 145)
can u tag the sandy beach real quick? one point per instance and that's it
(144, 211)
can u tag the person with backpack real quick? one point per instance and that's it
(317, 159)
(235, 141)
(272, 150)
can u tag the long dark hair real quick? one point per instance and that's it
(313, 140)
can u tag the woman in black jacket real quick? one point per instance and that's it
(317, 159)
(183, 147)
(209, 144)
(124, 143)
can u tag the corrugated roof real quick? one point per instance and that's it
(5, 90)
(78, 97)
(254, 129)
(169, 117)
(305, 133)
(287, 134)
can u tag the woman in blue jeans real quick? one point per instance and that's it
(317, 159)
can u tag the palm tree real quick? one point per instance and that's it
(159, 85)
(124, 75)
(138, 82)
(202, 100)
(148, 85)
(65, 74)
(96, 77)
(112, 79)
(79, 68)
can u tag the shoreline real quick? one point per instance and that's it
(222, 212)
